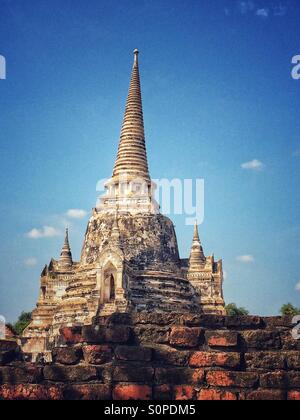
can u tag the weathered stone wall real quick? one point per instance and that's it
(161, 356)
(147, 240)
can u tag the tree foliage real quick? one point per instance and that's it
(23, 321)
(233, 310)
(289, 310)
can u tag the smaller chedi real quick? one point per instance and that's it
(130, 259)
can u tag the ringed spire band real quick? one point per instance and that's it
(132, 155)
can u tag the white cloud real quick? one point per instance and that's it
(225, 275)
(49, 231)
(76, 213)
(44, 232)
(250, 7)
(297, 287)
(263, 13)
(254, 165)
(30, 262)
(296, 153)
(245, 258)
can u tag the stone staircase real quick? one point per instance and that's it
(161, 293)
(107, 309)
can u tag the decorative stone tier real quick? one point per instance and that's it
(172, 356)
(154, 291)
(148, 241)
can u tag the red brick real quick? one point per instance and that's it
(222, 338)
(277, 380)
(95, 392)
(162, 392)
(265, 395)
(171, 356)
(179, 376)
(155, 318)
(198, 376)
(67, 355)
(132, 392)
(25, 374)
(62, 373)
(219, 379)
(183, 392)
(99, 334)
(118, 334)
(129, 373)
(265, 360)
(185, 337)
(262, 340)
(209, 359)
(293, 380)
(288, 342)
(30, 392)
(71, 335)
(293, 360)
(97, 354)
(133, 353)
(273, 322)
(152, 334)
(216, 395)
(228, 379)
(243, 322)
(294, 395)
(205, 321)
(93, 334)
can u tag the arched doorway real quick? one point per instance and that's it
(112, 288)
(109, 292)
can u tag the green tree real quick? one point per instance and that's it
(289, 310)
(233, 310)
(23, 321)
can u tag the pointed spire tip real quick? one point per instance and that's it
(196, 232)
(136, 55)
(65, 260)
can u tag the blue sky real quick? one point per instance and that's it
(217, 94)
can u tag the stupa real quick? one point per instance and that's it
(130, 259)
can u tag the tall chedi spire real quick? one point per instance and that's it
(132, 156)
(65, 260)
(130, 189)
(197, 257)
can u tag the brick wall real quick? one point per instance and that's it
(161, 356)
